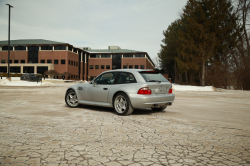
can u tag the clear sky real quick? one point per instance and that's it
(130, 24)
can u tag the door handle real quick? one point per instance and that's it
(105, 88)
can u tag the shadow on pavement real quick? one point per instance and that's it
(111, 110)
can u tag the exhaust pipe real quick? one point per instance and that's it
(157, 106)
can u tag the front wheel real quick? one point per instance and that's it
(71, 99)
(161, 108)
(122, 104)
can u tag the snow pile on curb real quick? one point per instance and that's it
(192, 88)
(4, 82)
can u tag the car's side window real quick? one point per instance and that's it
(125, 78)
(106, 78)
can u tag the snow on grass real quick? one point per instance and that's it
(5, 82)
(191, 88)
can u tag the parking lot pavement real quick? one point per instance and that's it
(37, 128)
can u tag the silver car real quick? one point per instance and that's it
(124, 90)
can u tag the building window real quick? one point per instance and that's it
(28, 69)
(131, 66)
(107, 66)
(70, 48)
(76, 63)
(22, 61)
(102, 66)
(46, 48)
(2, 61)
(42, 61)
(127, 55)
(17, 48)
(60, 47)
(91, 66)
(124, 66)
(72, 63)
(136, 67)
(105, 56)
(69, 62)
(42, 69)
(62, 61)
(56, 61)
(142, 66)
(49, 61)
(5, 48)
(15, 61)
(140, 55)
(3, 69)
(15, 69)
(10, 61)
(96, 66)
(94, 56)
(75, 50)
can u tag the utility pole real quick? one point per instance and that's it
(9, 42)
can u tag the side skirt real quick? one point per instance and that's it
(95, 103)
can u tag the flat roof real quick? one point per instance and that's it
(113, 51)
(24, 42)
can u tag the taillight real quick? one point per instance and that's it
(144, 91)
(170, 90)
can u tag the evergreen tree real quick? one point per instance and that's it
(207, 32)
(168, 50)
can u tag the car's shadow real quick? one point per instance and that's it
(111, 110)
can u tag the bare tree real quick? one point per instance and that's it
(240, 61)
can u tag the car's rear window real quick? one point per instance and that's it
(151, 76)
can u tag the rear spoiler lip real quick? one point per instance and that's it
(149, 72)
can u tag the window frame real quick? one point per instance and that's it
(56, 60)
(63, 61)
(96, 79)
(116, 79)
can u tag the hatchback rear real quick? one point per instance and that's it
(156, 93)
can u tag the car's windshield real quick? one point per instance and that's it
(151, 76)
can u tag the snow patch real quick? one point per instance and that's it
(191, 88)
(5, 82)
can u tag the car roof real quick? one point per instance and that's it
(129, 70)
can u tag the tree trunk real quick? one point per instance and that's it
(203, 73)
(186, 77)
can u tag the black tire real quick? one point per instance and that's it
(161, 108)
(71, 99)
(122, 104)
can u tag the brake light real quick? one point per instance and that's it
(144, 91)
(170, 90)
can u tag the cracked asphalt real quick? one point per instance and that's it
(201, 128)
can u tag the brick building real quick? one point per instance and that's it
(38, 56)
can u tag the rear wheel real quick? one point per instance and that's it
(122, 104)
(71, 99)
(160, 108)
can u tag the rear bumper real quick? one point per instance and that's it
(148, 101)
